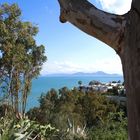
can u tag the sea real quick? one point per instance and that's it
(42, 85)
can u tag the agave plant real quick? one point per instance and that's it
(75, 132)
(25, 129)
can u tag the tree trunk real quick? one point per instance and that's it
(130, 57)
(122, 33)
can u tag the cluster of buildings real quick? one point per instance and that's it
(117, 88)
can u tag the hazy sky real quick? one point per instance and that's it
(68, 49)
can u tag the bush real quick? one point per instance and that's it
(75, 113)
(111, 129)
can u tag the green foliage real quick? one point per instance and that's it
(77, 114)
(21, 58)
(114, 128)
(94, 82)
(25, 129)
(5, 125)
(114, 91)
(79, 83)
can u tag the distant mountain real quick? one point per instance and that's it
(97, 74)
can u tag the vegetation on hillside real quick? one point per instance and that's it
(80, 115)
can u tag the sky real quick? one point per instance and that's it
(68, 49)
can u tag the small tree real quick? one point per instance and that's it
(94, 83)
(80, 83)
(21, 58)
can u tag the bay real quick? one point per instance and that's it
(44, 84)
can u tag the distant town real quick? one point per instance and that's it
(114, 90)
(114, 87)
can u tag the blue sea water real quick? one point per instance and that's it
(43, 84)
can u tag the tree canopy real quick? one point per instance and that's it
(21, 58)
(79, 115)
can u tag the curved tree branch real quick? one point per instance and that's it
(106, 27)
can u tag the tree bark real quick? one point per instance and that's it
(122, 33)
(131, 68)
(106, 27)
